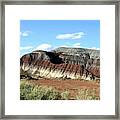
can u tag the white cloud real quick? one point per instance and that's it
(26, 48)
(64, 46)
(44, 46)
(25, 33)
(94, 48)
(77, 35)
(76, 45)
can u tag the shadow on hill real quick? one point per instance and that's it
(54, 58)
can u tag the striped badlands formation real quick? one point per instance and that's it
(61, 63)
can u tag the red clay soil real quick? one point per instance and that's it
(69, 85)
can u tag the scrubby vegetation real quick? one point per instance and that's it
(35, 92)
(29, 91)
(87, 94)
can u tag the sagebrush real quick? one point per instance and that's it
(35, 92)
(30, 91)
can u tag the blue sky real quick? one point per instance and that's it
(50, 34)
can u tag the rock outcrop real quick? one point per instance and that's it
(61, 63)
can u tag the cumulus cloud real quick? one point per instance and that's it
(44, 46)
(64, 46)
(94, 48)
(76, 45)
(77, 35)
(25, 33)
(26, 48)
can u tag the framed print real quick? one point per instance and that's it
(59, 59)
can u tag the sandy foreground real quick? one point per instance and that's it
(72, 86)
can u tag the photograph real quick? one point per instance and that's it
(60, 55)
(59, 59)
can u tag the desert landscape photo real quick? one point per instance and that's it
(59, 60)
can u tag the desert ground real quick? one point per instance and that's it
(76, 89)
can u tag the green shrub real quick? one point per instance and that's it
(87, 94)
(35, 92)
(65, 95)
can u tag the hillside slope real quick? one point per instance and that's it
(61, 63)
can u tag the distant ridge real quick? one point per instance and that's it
(93, 53)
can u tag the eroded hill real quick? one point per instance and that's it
(61, 63)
